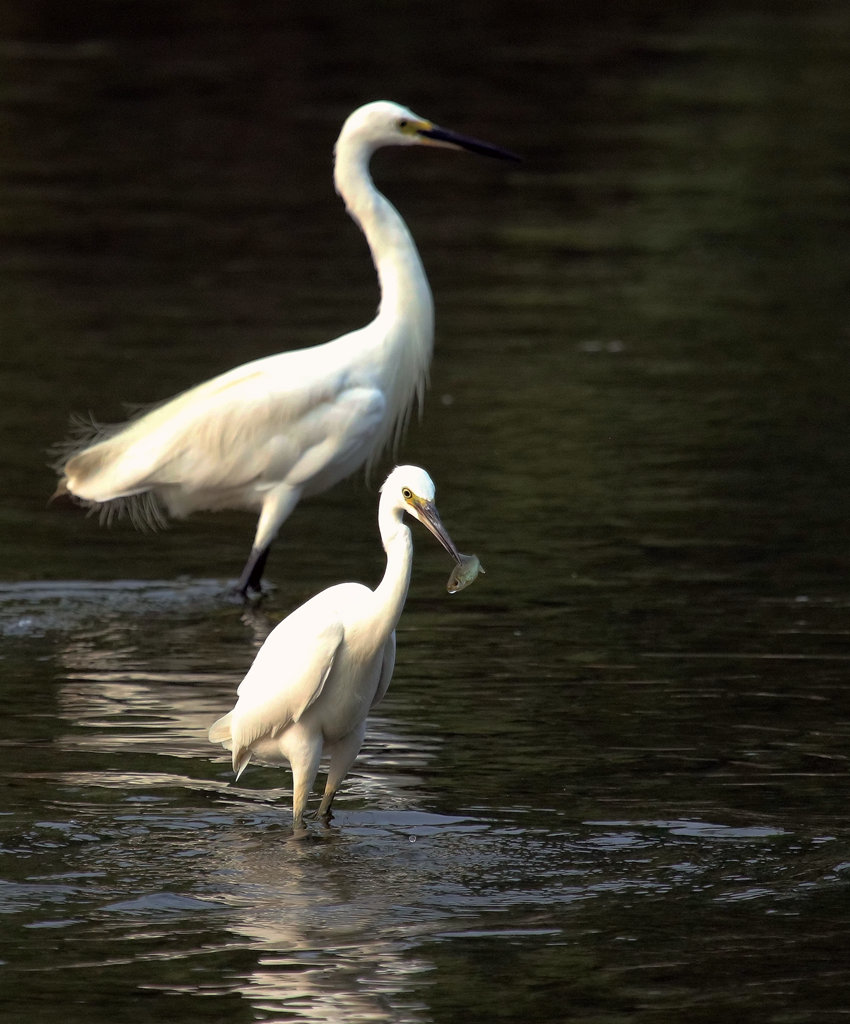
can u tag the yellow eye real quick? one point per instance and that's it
(406, 493)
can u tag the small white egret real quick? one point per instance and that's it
(324, 667)
(268, 433)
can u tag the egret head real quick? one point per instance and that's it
(410, 489)
(383, 123)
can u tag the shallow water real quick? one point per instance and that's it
(609, 781)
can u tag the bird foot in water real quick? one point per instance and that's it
(252, 598)
(325, 817)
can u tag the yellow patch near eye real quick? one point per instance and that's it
(411, 127)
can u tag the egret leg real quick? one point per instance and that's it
(252, 574)
(304, 771)
(343, 755)
(277, 506)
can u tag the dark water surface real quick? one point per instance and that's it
(610, 780)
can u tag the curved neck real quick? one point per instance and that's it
(404, 286)
(391, 592)
(403, 338)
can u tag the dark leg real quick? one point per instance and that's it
(252, 574)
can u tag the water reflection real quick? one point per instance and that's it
(344, 924)
(328, 945)
(141, 839)
(37, 608)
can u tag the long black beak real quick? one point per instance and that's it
(447, 138)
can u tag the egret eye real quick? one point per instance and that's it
(403, 123)
(406, 493)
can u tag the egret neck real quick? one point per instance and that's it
(404, 339)
(391, 593)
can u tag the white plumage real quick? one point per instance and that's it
(278, 429)
(322, 669)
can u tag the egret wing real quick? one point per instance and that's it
(253, 422)
(336, 437)
(287, 675)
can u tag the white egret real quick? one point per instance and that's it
(324, 667)
(277, 429)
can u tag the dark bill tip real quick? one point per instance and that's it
(430, 517)
(473, 145)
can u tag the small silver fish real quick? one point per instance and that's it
(465, 572)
